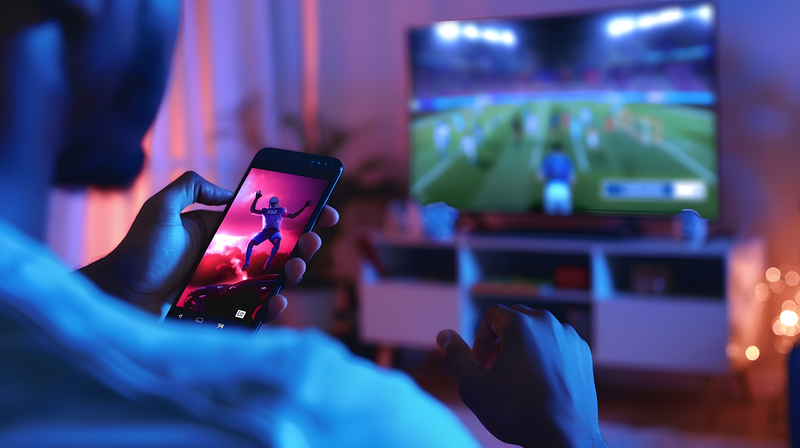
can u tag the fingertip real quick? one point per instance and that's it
(309, 243)
(443, 339)
(294, 270)
(329, 217)
(276, 305)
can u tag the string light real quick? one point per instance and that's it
(788, 318)
(762, 292)
(773, 274)
(752, 353)
(778, 328)
(792, 278)
(783, 346)
(777, 286)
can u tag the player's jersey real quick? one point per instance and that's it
(271, 218)
(441, 137)
(557, 166)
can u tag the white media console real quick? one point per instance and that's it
(411, 289)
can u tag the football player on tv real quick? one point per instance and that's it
(558, 175)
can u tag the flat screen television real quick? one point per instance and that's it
(607, 112)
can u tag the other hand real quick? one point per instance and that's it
(527, 378)
(158, 254)
(258, 194)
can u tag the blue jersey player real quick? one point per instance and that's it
(271, 219)
(559, 175)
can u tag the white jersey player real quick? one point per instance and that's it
(441, 138)
(470, 149)
(531, 125)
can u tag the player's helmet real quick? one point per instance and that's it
(273, 201)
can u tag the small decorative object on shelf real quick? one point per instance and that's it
(571, 277)
(651, 278)
(402, 219)
(439, 221)
(688, 226)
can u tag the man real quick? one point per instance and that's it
(84, 366)
(558, 175)
(271, 219)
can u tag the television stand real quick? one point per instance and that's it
(409, 290)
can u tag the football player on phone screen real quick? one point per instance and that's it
(271, 219)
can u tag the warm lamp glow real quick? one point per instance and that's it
(752, 353)
(788, 305)
(788, 318)
(792, 278)
(773, 274)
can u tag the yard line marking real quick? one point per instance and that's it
(426, 180)
(536, 156)
(580, 154)
(688, 161)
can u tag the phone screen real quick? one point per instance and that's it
(242, 266)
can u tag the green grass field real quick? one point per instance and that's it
(647, 141)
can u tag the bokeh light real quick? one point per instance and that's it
(788, 305)
(783, 346)
(792, 278)
(773, 274)
(778, 328)
(762, 291)
(788, 318)
(752, 353)
(777, 286)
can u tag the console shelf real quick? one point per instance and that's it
(652, 304)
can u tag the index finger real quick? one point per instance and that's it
(328, 217)
(494, 325)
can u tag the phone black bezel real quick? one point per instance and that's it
(283, 161)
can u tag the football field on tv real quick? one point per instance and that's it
(634, 141)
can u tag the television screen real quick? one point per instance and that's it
(606, 112)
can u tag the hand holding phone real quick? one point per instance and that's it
(245, 262)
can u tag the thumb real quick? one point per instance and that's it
(189, 188)
(458, 357)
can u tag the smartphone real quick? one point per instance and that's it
(280, 197)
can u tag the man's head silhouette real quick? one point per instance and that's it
(100, 66)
